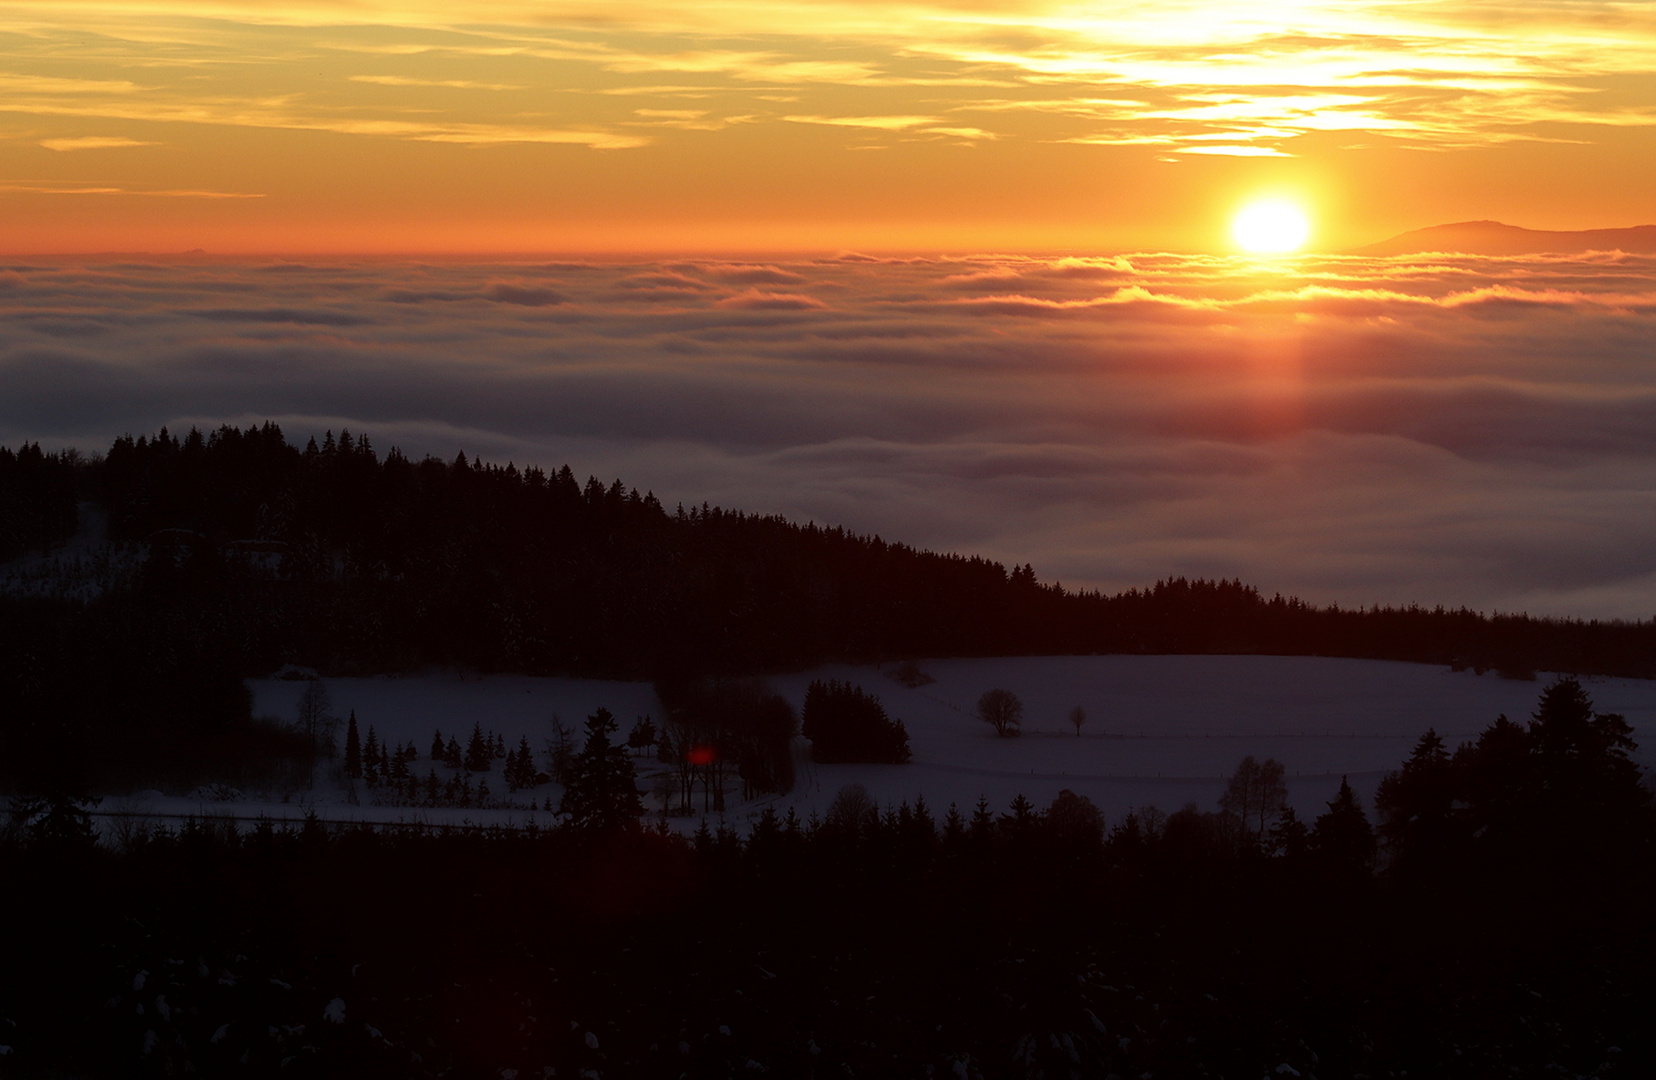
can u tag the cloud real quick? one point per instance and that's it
(1458, 430)
(880, 123)
(453, 84)
(89, 189)
(507, 293)
(756, 300)
(92, 142)
(1189, 76)
(754, 274)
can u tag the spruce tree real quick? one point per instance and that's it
(437, 751)
(954, 828)
(371, 758)
(479, 751)
(983, 821)
(602, 792)
(1343, 837)
(353, 749)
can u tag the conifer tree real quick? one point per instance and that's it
(353, 749)
(983, 821)
(371, 758)
(451, 754)
(479, 751)
(1343, 837)
(954, 828)
(437, 747)
(602, 792)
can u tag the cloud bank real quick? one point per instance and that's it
(1470, 431)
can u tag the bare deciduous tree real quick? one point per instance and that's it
(1255, 795)
(1001, 710)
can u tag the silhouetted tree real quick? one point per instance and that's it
(316, 717)
(845, 723)
(643, 734)
(479, 751)
(1254, 795)
(1001, 710)
(1415, 806)
(852, 810)
(1074, 821)
(1077, 717)
(1343, 838)
(561, 750)
(1289, 837)
(602, 791)
(353, 749)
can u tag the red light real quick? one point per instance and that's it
(700, 755)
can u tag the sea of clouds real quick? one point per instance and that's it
(1446, 430)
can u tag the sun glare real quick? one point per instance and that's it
(1270, 226)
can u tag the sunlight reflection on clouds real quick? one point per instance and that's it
(1477, 431)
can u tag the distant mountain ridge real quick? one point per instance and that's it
(1495, 238)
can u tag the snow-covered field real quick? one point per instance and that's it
(1160, 730)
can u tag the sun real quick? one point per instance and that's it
(1270, 227)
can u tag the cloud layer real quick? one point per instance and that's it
(1477, 431)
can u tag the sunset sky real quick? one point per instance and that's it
(959, 273)
(747, 125)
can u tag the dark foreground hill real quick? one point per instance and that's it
(235, 553)
(1495, 238)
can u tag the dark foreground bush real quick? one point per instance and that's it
(1017, 946)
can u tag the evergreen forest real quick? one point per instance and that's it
(1489, 920)
(147, 581)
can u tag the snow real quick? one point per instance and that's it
(1166, 730)
(1160, 730)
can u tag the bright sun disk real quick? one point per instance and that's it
(1270, 226)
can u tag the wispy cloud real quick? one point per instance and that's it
(92, 142)
(104, 189)
(1434, 74)
(454, 84)
(880, 123)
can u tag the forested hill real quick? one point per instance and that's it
(255, 552)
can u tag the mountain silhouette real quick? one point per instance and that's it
(1495, 238)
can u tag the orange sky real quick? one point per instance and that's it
(667, 125)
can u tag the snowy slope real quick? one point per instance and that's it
(1160, 730)
(1166, 730)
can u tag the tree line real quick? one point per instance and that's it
(247, 552)
(1492, 920)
